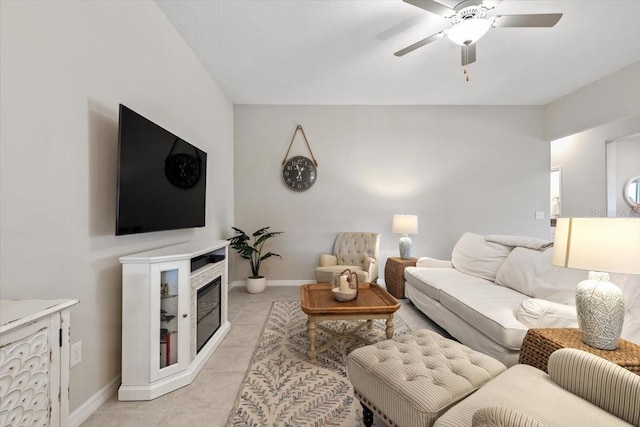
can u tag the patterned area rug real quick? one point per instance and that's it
(282, 388)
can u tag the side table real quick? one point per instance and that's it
(538, 344)
(394, 274)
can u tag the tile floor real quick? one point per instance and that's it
(209, 399)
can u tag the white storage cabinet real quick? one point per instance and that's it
(34, 362)
(159, 316)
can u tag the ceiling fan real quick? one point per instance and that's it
(470, 20)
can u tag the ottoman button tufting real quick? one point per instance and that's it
(387, 378)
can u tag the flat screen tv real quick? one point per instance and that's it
(161, 178)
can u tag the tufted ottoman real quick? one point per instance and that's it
(413, 379)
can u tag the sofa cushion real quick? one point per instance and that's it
(541, 313)
(530, 272)
(328, 274)
(531, 392)
(430, 280)
(489, 308)
(473, 255)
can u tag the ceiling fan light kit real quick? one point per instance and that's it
(468, 28)
(468, 32)
(470, 20)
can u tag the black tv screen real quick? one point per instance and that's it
(161, 178)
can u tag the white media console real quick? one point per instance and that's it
(174, 316)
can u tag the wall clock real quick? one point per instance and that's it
(182, 169)
(299, 173)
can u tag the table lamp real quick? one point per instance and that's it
(405, 225)
(601, 245)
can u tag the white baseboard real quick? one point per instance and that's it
(289, 282)
(84, 411)
(242, 283)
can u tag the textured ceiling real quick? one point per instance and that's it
(341, 52)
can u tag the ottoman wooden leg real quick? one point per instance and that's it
(367, 416)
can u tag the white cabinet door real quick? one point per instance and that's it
(29, 378)
(169, 296)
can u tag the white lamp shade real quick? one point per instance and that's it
(405, 224)
(598, 244)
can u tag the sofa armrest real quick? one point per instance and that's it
(495, 416)
(433, 263)
(327, 260)
(597, 380)
(542, 313)
(370, 265)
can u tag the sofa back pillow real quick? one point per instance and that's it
(530, 272)
(473, 255)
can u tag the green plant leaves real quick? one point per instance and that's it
(241, 243)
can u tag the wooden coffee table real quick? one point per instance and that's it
(317, 301)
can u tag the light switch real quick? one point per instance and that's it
(539, 215)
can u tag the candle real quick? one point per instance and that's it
(344, 285)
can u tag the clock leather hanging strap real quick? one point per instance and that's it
(175, 141)
(299, 128)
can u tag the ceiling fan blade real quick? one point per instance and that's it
(468, 54)
(419, 44)
(432, 6)
(539, 20)
(491, 4)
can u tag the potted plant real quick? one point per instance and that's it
(252, 251)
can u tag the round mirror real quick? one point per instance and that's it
(632, 193)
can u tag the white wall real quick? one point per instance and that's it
(482, 169)
(606, 100)
(66, 65)
(627, 166)
(582, 158)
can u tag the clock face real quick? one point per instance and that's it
(299, 173)
(182, 170)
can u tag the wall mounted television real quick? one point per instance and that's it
(161, 178)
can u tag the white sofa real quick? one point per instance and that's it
(491, 293)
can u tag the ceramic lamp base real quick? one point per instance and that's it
(600, 307)
(405, 247)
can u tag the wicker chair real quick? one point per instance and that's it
(356, 251)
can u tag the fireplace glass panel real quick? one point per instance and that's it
(208, 312)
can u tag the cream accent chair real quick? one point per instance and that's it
(356, 251)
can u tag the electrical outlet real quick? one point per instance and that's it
(76, 354)
(539, 215)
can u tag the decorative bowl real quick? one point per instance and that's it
(344, 296)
